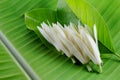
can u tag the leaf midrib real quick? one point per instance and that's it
(18, 59)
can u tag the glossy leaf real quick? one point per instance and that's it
(111, 17)
(90, 16)
(35, 17)
(65, 14)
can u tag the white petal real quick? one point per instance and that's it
(83, 49)
(45, 35)
(95, 34)
(59, 30)
(65, 44)
(75, 51)
(95, 49)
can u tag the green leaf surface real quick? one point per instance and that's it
(65, 14)
(105, 15)
(110, 13)
(90, 16)
(35, 17)
(9, 70)
(48, 65)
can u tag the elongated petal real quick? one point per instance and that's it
(77, 52)
(95, 34)
(95, 49)
(81, 49)
(48, 38)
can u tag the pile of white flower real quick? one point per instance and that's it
(74, 41)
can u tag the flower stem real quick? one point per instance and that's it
(89, 68)
(100, 68)
(73, 60)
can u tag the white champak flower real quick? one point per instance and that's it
(74, 41)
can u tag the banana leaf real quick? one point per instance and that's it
(46, 63)
(9, 69)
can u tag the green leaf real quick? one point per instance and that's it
(111, 18)
(48, 65)
(90, 16)
(65, 14)
(35, 17)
